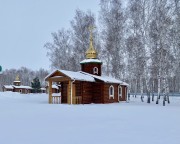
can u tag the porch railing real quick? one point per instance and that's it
(56, 99)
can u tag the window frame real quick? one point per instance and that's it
(119, 90)
(120, 87)
(95, 70)
(111, 92)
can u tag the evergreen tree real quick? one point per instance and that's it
(35, 84)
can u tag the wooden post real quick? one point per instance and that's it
(69, 93)
(73, 94)
(50, 92)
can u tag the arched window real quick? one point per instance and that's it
(119, 92)
(95, 70)
(111, 92)
(20, 90)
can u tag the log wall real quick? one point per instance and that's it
(97, 92)
(87, 92)
(124, 92)
(64, 92)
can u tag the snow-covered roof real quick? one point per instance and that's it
(73, 75)
(124, 83)
(91, 61)
(55, 86)
(83, 76)
(104, 78)
(22, 87)
(43, 88)
(78, 76)
(8, 86)
(17, 81)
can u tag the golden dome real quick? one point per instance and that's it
(17, 78)
(91, 52)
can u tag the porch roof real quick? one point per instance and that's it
(72, 75)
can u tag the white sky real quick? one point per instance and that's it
(26, 25)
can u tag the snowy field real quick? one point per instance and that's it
(28, 119)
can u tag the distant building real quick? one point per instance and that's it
(43, 90)
(17, 87)
(55, 88)
(7, 88)
(88, 85)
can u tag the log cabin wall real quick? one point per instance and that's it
(124, 92)
(97, 92)
(5, 89)
(64, 92)
(88, 68)
(78, 87)
(23, 91)
(86, 93)
(107, 99)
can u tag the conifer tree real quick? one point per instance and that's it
(35, 84)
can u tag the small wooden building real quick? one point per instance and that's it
(43, 90)
(55, 88)
(88, 85)
(17, 87)
(7, 88)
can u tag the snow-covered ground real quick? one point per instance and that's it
(29, 119)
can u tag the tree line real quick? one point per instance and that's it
(138, 42)
(26, 76)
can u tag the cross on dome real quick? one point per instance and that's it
(91, 52)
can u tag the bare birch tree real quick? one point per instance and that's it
(113, 29)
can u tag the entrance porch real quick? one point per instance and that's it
(68, 93)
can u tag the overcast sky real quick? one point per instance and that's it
(26, 25)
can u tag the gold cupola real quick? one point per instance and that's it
(17, 78)
(91, 52)
(17, 81)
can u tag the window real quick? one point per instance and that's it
(20, 90)
(111, 92)
(120, 91)
(95, 70)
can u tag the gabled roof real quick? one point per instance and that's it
(73, 75)
(8, 86)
